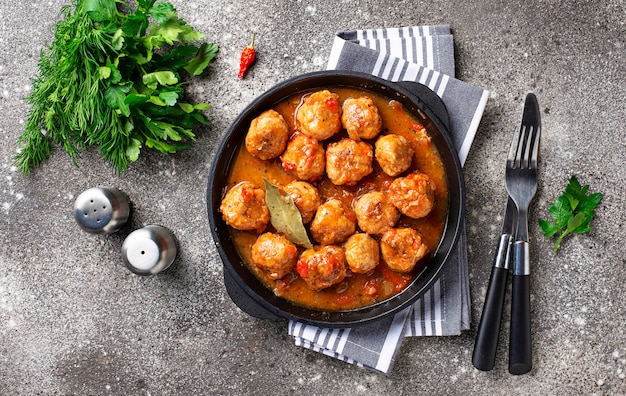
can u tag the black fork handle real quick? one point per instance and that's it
(520, 347)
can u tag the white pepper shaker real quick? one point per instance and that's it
(101, 210)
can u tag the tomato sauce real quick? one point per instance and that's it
(356, 290)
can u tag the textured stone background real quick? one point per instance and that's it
(73, 320)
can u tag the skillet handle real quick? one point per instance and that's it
(243, 301)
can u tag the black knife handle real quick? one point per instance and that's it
(486, 342)
(520, 348)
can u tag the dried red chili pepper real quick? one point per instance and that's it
(247, 58)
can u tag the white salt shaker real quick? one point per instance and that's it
(149, 250)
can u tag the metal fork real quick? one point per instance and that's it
(521, 184)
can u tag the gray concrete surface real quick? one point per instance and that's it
(73, 320)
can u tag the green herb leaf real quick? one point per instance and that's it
(136, 99)
(560, 211)
(162, 12)
(115, 97)
(100, 10)
(186, 107)
(144, 4)
(177, 58)
(591, 202)
(133, 150)
(157, 101)
(152, 80)
(201, 106)
(205, 54)
(169, 130)
(117, 41)
(161, 146)
(548, 228)
(116, 76)
(169, 98)
(572, 212)
(135, 24)
(285, 216)
(104, 72)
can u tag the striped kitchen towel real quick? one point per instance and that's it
(423, 54)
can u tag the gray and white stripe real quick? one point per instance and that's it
(428, 46)
(373, 345)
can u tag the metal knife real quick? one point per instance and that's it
(486, 343)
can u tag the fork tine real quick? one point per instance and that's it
(529, 145)
(535, 148)
(511, 161)
(524, 147)
(524, 150)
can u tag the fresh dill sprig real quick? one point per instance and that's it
(112, 78)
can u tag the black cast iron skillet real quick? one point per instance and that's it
(243, 287)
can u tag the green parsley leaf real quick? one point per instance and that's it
(176, 58)
(572, 212)
(135, 24)
(162, 12)
(132, 151)
(548, 228)
(169, 98)
(144, 4)
(100, 10)
(151, 80)
(115, 97)
(136, 99)
(561, 211)
(104, 72)
(117, 41)
(205, 54)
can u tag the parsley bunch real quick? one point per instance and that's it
(113, 78)
(572, 212)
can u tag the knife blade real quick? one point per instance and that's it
(486, 343)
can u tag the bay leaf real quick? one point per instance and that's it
(285, 216)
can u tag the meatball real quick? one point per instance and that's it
(244, 208)
(267, 135)
(402, 248)
(362, 253)
(333, 223)
(322, 266)
(304, 157)
(375, 212)
(319, 115)
(413, 195)
(348, 161)
(394, 154)
(274, 254)
(360, 117)
(306, 197)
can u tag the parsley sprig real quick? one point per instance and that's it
(571, 212)
(113, 78)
